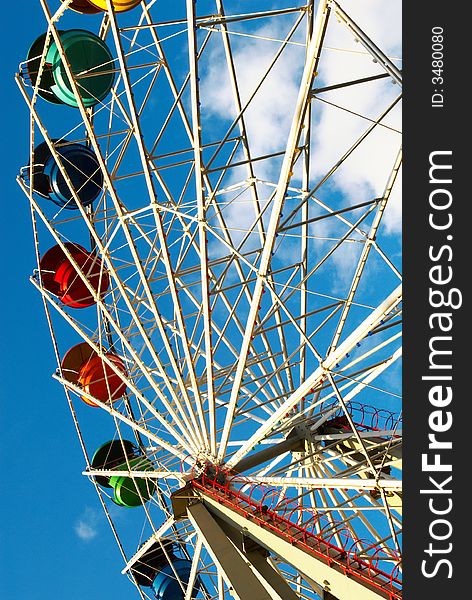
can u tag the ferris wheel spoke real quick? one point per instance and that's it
(194, 569)
(316, 377)
(315, 483)
(234, 318)
(158, 475)
(366, 250)
(159, 227)
(223, 338)
(285, 174)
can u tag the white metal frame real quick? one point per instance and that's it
(241, 356)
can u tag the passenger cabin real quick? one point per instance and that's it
(91, 63)
(81, 168)
(60, 277)
(123, 455)
(89, 7)
(83, 367)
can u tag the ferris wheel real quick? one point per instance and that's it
(214, 195)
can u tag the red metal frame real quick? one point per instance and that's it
(343, 559)
(369, 418)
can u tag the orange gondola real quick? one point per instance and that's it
(83, 367)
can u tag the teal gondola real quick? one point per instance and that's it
(91, 63)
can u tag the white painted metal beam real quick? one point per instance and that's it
(235, 570)
(277, 204)
(389, 304)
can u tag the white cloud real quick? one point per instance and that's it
(269, 114)
(267, 118)
(364, 175)
(366, 171)
(87, 526)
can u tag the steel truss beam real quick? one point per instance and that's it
(235, 571)
(258, 556)
(329, 577)
(321, 372)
